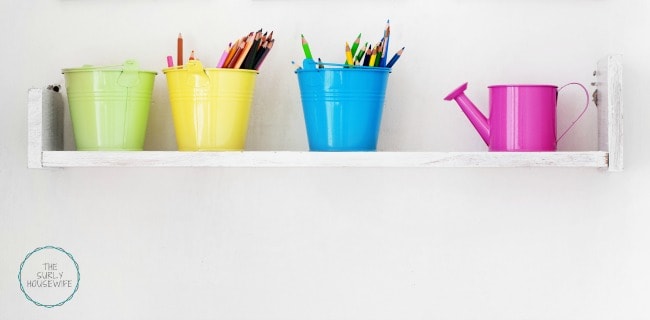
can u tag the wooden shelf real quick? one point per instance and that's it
(322, 159)
(45, 125)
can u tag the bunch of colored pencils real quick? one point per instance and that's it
(367, 55)
(247, 52)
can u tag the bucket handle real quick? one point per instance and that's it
(129, 76)
(581, 114)
(310, 64)
(197, 77)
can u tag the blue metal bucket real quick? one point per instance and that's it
(342, 105)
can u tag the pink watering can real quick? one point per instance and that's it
(522, 117)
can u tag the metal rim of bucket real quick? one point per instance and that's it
(340, 67)
(181, 69)
(129, 66)
(104, 69)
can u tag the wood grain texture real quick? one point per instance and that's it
(44, 124)
(609, 83)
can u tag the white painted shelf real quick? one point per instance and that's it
(322, 159)
(45, 137)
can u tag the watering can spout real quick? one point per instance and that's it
(478, 120)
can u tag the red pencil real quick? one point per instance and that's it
(233, 61)
(179, 50)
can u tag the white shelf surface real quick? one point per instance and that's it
(322, 159)
(45, 122)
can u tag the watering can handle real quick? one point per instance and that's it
(581, 114)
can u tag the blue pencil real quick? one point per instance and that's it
(384, 55)
(395, 57)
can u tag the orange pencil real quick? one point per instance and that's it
(179, 50)
(231, 53)
(237, 54)
(192, 55)
(242, 55)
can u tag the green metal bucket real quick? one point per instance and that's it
(109, 106)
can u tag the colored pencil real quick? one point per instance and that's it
(395, 57)
(366, 55)
(366, 59)
(247, 47)
(179, 50)
(224, 55)
(373, 57)
(235, 57)
(360, 53)
(260, 53)
(231, 53)
(249, 60)
(384, 55)
(269, 46)
(305, 48)
(380, 49)
(263, 40)
(247, 52)
(355, 45)
(348, 55)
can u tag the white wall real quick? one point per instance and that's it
(172, 243)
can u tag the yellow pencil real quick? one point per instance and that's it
(373, 56)
(380, 50)
(348, 55)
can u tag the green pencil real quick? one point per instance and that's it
(355, 45)
(305, 48)
(361, 53)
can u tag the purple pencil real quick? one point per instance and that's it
(224, 55)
